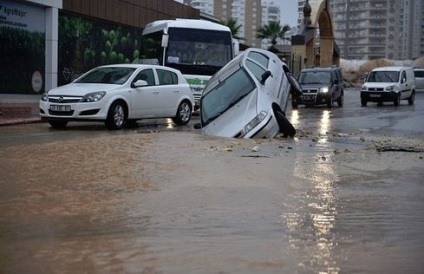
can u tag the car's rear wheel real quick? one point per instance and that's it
(183, 115)
(411, 99)
(396, 101)
(285, 126)
(116, 116)
(340, 100)
(364, 102)
(58, 123)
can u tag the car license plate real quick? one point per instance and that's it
(308, 97)
(375, 95)
(63, 108)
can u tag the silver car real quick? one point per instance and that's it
(419, 79)
(248, 97)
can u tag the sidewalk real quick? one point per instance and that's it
(19, 109)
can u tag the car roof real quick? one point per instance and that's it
(136, 66)
(320, 69)
(391, 68)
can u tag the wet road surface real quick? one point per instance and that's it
(157, 199)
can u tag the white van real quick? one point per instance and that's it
(389, 84)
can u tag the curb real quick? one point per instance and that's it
(10, 122)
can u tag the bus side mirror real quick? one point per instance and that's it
(165, 38)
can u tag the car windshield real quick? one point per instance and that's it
(314, 77)
(225, 95)
(107, 75)
(384, 76)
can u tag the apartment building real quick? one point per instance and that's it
(248, 13)
(369, 29)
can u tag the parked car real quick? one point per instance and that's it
(389, 84)
(120, 94)
(248, 97)
(419, 79)
(320, 85)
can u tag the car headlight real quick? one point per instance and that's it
(45, 97)
(390, 88)
(93, 96)
(254, 122)
(324, 89)
(364, 88)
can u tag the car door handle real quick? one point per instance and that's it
(176, 91)
(155, 92)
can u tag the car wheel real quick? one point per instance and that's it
(58, 123)
(294, 103)
(411, 99)
(340, 100)
(330, 101)
(396, 101)
(364, 102)
(285, 126)
(183, 115)
(116, 116)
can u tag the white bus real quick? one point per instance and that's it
(198, 48)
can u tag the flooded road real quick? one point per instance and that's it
(163, 200)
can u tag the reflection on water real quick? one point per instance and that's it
(311, 214)
(325, 124)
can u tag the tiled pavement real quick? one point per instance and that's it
(18, 109)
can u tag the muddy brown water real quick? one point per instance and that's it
(180, 202)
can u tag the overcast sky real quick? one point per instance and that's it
(288, 10)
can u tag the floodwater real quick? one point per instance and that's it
(146, 201)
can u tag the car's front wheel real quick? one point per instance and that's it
(183, 115)
(364, 102)
(396, 101)
(285, 126)
(116, 116)
(330, 101)
(294, 103)
(58, 123)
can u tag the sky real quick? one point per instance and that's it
(288, 10)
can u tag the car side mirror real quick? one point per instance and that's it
(295, 87)
(197, 126)
(265, 76)
(139, 83)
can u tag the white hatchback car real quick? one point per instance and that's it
(120, 94)
(248, 97)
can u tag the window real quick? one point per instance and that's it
(167, 77)
(146, 75)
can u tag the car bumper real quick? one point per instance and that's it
(373, 96)
(312, 99)
(73, 111)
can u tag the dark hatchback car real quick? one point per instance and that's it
(320, 85)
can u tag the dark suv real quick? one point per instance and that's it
(320, 85)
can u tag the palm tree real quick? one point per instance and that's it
(234, 27)
(273, 31)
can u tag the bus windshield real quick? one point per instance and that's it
(192, 51)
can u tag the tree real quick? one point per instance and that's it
(234, 27)
(273, 31)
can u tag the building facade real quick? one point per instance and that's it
(370, 29)
(248, 13)
(45, 43)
